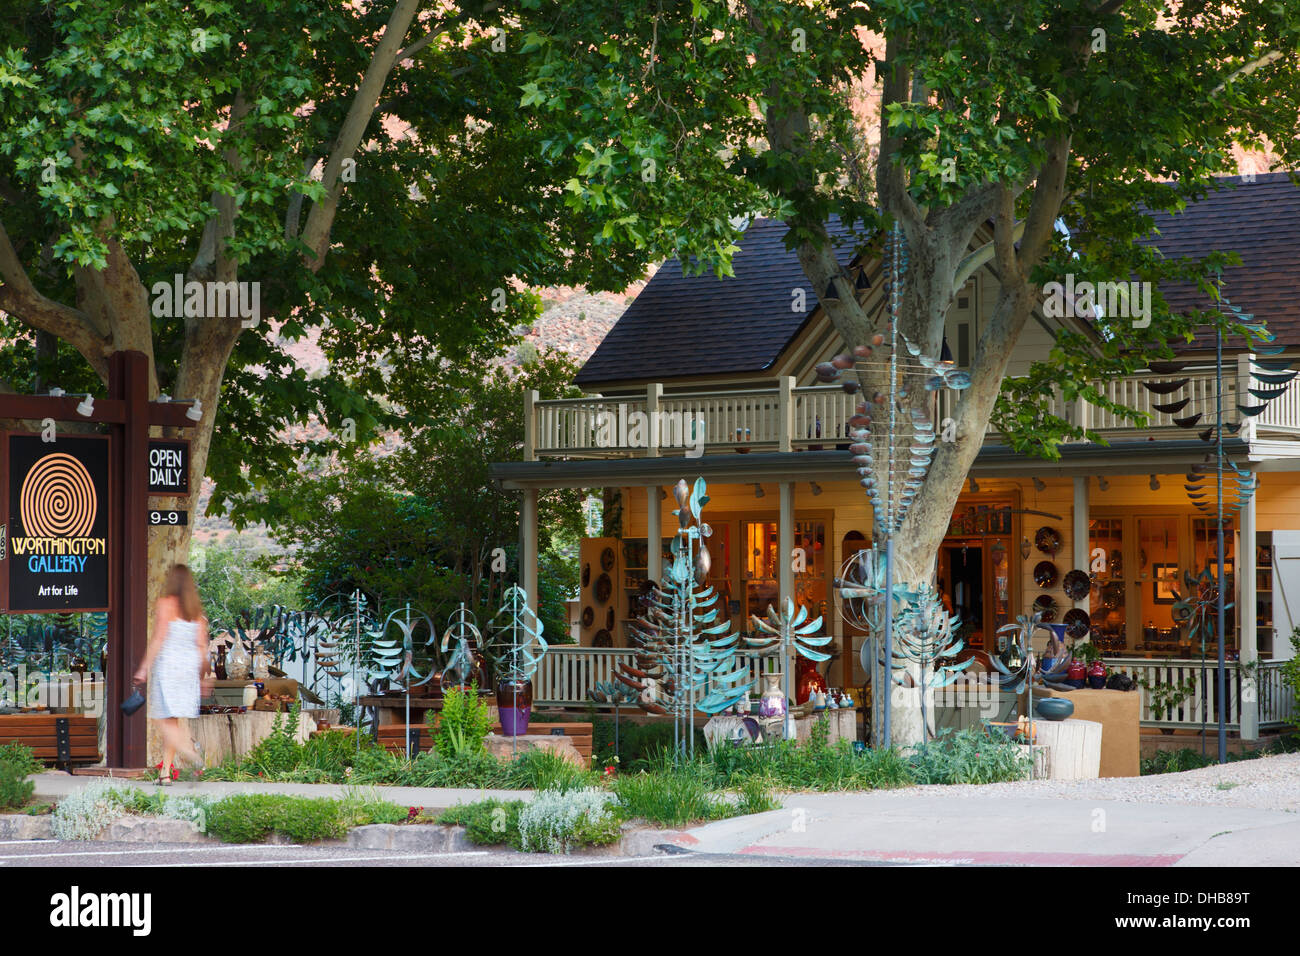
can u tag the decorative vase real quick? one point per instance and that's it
(261, 663)
(514, 705)
(807, 681)
(772, 703)
(1054, 708)
(239, 663)
(1097, 675)
(219, 664)
(1077, 674)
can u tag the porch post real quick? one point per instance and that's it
(1247, 631)
(654, 534)
(1082, 557)
(654, 392)
(785, 545)
(528, 546)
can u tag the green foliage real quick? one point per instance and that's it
(487, 822)
(15, 788)
(462, 723)
(673, 794)
(968, 756)
(22, 760)
(556, 822)
(279, 751)
(638, 744)
(1291, 669)
(83, 814)
(234, 577)
(252, 817)
(788, 766)
(544, 770)
(1165, 698)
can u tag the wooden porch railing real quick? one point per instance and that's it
(785, 418)
(567, 673)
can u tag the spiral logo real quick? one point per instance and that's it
(58, 499)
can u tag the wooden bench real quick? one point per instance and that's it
(61, 739)
(393, 736)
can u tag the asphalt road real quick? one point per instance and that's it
(51, 853)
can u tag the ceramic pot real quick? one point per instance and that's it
(808, 681)
(1077, 675)
(772, 703)
(1054, 708)
(514, 705)
(1097, 675)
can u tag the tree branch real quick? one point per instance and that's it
(891, 180)
(321, 218)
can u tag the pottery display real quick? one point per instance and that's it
(1077, 584)
(514, 705)
(1047, 540)
(1097, 675)
(1077, 675)
(772, 703)
(1054, 708)
(1045, 574)
(239, 663)
(808, 680)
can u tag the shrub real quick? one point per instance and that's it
(84, 814)
(252, 817)
(462, 724)
(333, 752)
(377, 765)
(557, 822)
(487, 822)
(280, 751)
(638, 744)
(464, 769)
(672, 796)
(15, 788)
(968, 756)
(21, 759)
(544, 770)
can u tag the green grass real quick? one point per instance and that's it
(252, 817)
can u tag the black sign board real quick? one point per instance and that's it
(168, 518)
(55, 520)
(169, 466)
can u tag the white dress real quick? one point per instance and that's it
(174, 690)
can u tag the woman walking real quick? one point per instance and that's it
(178, 659)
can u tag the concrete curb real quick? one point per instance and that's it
(432, 837)
(22, 826)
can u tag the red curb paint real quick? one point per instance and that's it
(973, 857)
(683, 839)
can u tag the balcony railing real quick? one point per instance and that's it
(787, 418)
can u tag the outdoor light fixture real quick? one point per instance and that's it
(1154, 483)
(831, 295)
(1102, 483)
(57, 393)
(974, 487)
(1040, 485)
(195, 411)
(662, 494)
(86, 406)
(816, 488)
(164, 398)
(758, 490)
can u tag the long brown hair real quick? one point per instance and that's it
(180, 585)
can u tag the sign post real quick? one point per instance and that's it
(77, 507)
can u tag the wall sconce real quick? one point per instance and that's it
(1102, 483)
(816, 488)
(758, 490)
(1154, 483)
(974, 487)
(1040, 485)
(663, 495)
(57, 393)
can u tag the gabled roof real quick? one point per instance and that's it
(1261, 222)
(681, 326)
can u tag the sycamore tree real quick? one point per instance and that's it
(351, 187)
(1033, 137)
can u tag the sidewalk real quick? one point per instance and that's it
(54, 785)
(914, 826)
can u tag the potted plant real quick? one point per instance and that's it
(1164, 699)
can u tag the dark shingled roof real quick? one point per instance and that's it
(703, 325)
(1260, 221)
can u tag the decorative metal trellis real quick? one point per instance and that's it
(893, 437)
(516, 647)
(685, 660)
(1233, 485)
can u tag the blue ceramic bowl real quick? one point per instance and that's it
(1054, 708)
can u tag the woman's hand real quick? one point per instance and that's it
(142, 674)
(206, 683)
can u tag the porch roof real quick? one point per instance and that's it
(1135, 457)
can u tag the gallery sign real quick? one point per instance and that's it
(54, 516)
(169, 466)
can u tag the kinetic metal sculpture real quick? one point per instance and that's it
(686, 661)
(893, 436)
(790, 633)
(1233, 486)
(461, 667)
(515, 650)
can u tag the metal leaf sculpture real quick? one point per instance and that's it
(1013, 664)
(685, 658)
(892, 430)
(460, 667)
(517, 646)
(789, 634)
(926, 636)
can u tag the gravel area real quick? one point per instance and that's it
(1265, 783)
